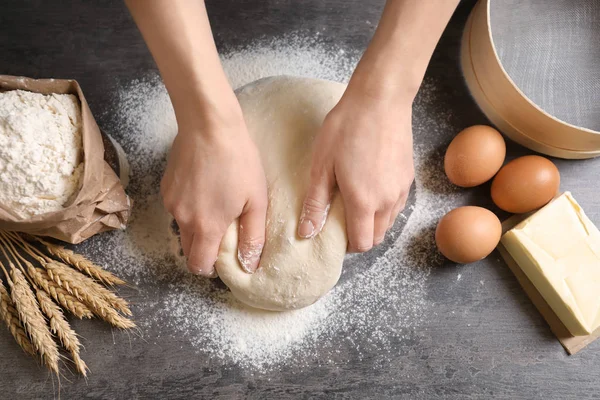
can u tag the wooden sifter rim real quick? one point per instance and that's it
(507, 106)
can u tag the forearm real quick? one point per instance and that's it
(397, 57)
(179, 37)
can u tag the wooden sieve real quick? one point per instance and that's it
(532, 67)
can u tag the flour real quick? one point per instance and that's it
(40, 151)
(381, 300)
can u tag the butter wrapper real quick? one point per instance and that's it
(555, 255)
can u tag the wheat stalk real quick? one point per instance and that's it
(81, 263)
(10, 316)
(61, 328)
(33, 319)
(77, 290)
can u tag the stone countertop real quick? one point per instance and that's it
(484, 338)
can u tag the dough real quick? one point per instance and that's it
(283, 115)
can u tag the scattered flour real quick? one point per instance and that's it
(381, 298)
(40, 151)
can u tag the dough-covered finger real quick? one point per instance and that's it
(251, 237)
(315, 208)
(203, 254)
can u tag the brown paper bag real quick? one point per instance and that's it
(100, 205)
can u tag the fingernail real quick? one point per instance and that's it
(249, 257)
(200, 272)
(306, 229)
(195, 270)
(213, 274)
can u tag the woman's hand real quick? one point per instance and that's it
(365, 148)
(214, 175)
(365, 144)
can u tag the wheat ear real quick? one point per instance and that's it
(10, 316)
(81, 285)
(61, 328)
(115, 301)
(103, 310)
(97, 305)
(59, 294)
(41, 279)
(81, 263)
(63, 276)
(75, 283)
(33, 319)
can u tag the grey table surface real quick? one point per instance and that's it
(488, 343)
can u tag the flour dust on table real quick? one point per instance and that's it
(381, 299)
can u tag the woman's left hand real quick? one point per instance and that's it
(365, 149)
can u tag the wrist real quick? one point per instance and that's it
(206, 110)
(397, 88)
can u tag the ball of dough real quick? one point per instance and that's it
(283, 114)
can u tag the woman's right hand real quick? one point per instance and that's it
(214, 175)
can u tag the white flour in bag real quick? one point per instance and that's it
(40, 151)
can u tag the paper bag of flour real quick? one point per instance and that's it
(101, 203)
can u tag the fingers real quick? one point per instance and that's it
(360, 229)
(186, 242)
(398, 207)
(315, 208)
(382, 219)
(252, 236)
(367, 229)
(203, 254)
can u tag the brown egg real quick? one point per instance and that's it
(525, 184)
(468, 234)
(474, 156)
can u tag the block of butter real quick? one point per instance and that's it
(558, 248)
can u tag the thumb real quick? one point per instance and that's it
(315, 207)
(251, 237)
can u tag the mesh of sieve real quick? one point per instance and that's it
(551, 50)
